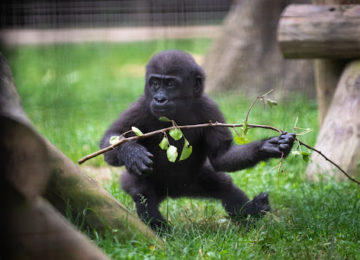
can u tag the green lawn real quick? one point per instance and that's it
(73, 92)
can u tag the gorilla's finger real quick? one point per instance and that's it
(147, 161)
(275, 151)
(145, 169)
(289, 136)
(274, 140)
(284, 147)
(149, 154)
(284, 141)
(135, 170)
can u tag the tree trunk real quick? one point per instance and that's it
(69, 186)
(30, 165)
(339, 137)
(327, 75)
(246, 55)
(35, 230)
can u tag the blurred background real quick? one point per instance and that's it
(78, 64)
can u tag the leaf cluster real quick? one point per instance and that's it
(171, 150)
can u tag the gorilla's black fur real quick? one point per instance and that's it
(174, 89)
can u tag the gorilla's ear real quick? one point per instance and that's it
(199, 85)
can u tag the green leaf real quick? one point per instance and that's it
(176, 134)
(186, 151)
(305, 156)
(164, 119)
(164, 144)
(241, 140)
(136, 131)
(271, 102)
(114, 139)
(172, 153)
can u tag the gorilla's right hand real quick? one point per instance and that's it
(136, 158)
(278, 146)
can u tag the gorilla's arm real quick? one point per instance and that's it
(238, 157)
(131, 154)
(224, 155)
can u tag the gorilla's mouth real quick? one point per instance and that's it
(162, 110)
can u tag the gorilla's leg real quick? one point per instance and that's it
(212, 184)
(146, 200)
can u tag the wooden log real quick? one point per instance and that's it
(339, 137)
(69, 187)
(320, 31)
(328, 72)
(35, 230)
(24, 159)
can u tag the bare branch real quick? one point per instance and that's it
(210, 124)
(145, 135)
(254, 102)
(330, 161)
(217, 124)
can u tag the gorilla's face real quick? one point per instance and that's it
(166, 92)
(173, 81)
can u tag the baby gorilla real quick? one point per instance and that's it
(174, 89)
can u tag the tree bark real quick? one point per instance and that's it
(327, 75)
(33, 229)
(69, 186)
(246, 55)
(339, 137)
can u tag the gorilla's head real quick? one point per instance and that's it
(173, 81)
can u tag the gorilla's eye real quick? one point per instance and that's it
(170, 83)
(155, 83)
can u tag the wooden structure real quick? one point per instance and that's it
(329, 31)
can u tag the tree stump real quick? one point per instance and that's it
(339, 136)
(329, 33)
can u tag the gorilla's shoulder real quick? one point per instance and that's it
(208, 109)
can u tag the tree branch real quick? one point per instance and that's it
(210, 124)
(333, 163)
(254, 102)
(216, 124)
(126, 139)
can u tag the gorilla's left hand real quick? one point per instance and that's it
(278, 146)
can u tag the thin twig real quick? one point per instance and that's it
(210, 124)
(126, 139)
(333, 163)
(216, 124)
(254, 102)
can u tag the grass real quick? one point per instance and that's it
(73, 92)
